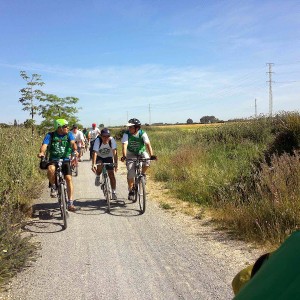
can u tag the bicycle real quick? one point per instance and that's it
(61, 186)
(139, 186)
(105, 183)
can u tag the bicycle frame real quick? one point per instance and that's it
(139, 182)
(61, 191)
(105, 186)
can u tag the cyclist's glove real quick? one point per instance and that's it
(153, 157)
(123, 158)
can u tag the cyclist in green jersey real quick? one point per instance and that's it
(60, 144)
(135, 142)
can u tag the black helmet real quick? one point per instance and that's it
(134, 122)
(105, 132)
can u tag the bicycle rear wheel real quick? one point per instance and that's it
(107, 190)
(63, 204)
(141, 194)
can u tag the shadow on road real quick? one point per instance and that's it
(38, 226)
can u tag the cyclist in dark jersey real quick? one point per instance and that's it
(60, 144)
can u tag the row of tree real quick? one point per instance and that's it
(206, 120)
(48, 106)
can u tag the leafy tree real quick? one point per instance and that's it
(58, 108)
(30, 95)
(15, 123)
(189, 121)
(29, 123)
(209, 119)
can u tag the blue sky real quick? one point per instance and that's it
(158, 61)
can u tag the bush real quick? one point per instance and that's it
(20, 180)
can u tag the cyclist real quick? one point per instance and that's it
(135, 141)
(79, 140)
(105, 150)
(92, 135)
(60, 144)
(86, 142)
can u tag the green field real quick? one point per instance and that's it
(247, 173)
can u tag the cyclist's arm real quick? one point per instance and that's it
(149, 148)
(43, 150)
(124, 149)
(115, 154)
(44, 146)
(74, 146)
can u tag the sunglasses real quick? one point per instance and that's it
(65, 126)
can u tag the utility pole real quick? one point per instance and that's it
(255, 109)
(149, 114)
(270, 89)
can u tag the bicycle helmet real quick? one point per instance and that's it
(94, 125)
(134, 122)
(105, 132)
(60, 123)
(74, 126)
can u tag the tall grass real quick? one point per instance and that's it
(231, 167)
(19, 184)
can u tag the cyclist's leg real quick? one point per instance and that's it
(130, 170)
(99, 160)
(51, 173)
(79, 153)
(146, 164)
(66, 168)
(91, 148)
(112, 178)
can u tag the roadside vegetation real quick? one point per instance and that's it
(20, 180)
(247, 173)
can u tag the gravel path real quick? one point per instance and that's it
(125, 255)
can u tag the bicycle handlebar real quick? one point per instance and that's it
(105, 164)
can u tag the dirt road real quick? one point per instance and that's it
(124, 255)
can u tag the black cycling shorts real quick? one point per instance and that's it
(105, 160)
(66, 167)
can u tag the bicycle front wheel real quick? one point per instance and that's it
(107, 193)
(141, 194)
(63, 204)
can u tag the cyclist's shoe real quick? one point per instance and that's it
(114, 196)
(131, 195)
(71, 207)
(97, 181)
(53, 192)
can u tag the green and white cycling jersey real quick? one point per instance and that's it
(136, 142)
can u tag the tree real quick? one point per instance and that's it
(189, 121)
(30, 95)
(209, 119)
(29, 123)
(58, 108)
